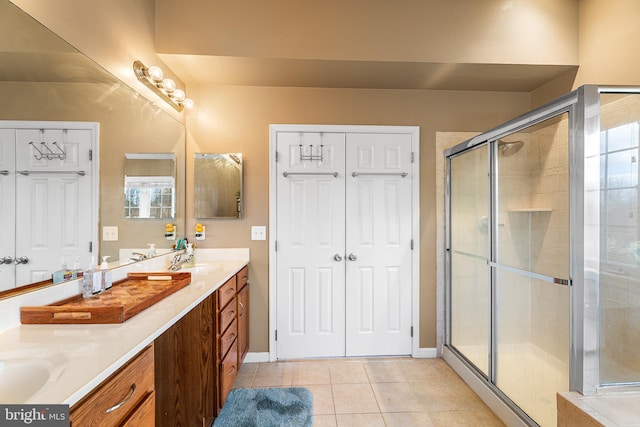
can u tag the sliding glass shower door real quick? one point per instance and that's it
(470, 285)
(532, 267)
(509, 263)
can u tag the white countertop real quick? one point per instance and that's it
(80, 357)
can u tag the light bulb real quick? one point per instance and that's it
(188, 103)
(179, 95)
(155, 73)
(168, 85)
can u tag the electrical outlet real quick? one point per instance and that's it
(110, 233)
(258, 232)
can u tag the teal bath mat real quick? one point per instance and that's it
(267, 407)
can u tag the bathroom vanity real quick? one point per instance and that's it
(170, 351)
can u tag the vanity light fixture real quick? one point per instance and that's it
(153, 78)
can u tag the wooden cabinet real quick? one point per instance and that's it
(126, 398)
(198, 358)
(232, 307)
(226, 337)
(185, 370)
(243, 314)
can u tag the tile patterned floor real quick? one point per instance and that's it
(401, 392)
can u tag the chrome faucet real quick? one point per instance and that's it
(137, 256)
(177, 261)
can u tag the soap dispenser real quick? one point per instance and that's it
(152, 250)
(106, 274)
(191, 258)
(91, 280)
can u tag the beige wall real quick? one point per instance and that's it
(237, 119)
(113, 36)
(452, 31)
(608, 33)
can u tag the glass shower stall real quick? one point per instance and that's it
(542, 252)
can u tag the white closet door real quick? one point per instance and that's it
(7, 206)
(311, 232)
(55, 201)
(378, 244)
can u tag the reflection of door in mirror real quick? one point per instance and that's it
(48, 197)
(150, 185)
(218, 185)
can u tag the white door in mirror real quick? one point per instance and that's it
(54, 206)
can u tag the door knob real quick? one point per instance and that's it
(352, 257)
(337, 257)
(6, 260)
(21, 260)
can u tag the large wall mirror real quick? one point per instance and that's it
(218, 185)
(43, 78)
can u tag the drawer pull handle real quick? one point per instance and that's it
(230, 290)
(232, 370)
(242, 307)
(231, 314)
(126, 399)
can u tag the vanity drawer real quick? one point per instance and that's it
(228, 372)
(227, 315)
(144, 415)
(228, 338)
(243, 277)
(226, 292)
(121, 395)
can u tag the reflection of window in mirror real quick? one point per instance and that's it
(218, 185)
(149, 185)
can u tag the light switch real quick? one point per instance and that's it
(110, 233)
(259, 232)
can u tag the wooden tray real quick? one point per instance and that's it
(124, 300)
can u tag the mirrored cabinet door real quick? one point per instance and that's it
(218, 185)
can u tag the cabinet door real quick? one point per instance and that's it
(243, 323)
(185, 387)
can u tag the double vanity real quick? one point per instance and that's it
(171, 364)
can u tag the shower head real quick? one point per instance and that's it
(508, 148)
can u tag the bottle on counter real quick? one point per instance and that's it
(76, 271)
(62, 274)
(91, 281)
(107, 282)
(191, 258)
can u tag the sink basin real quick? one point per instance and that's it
(21, 379)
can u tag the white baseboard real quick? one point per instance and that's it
(256, 357)
(426, 353)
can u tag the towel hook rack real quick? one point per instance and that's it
(310, 155)
(46, 152)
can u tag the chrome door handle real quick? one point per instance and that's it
(337, 257)
(6, 260)
(352, 257)
(21, 260)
